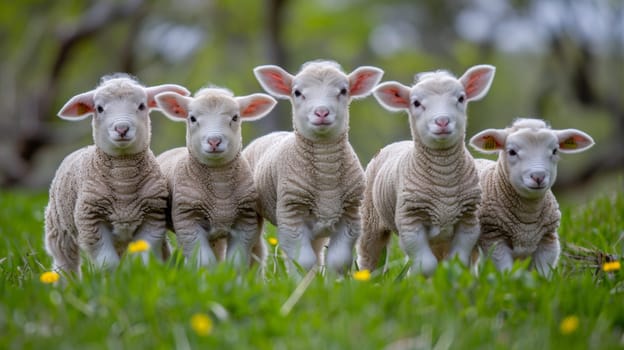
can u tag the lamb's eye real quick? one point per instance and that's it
(461, 99)
(555, 151)
(192, 119)
(417, 103)
(142, 107)
(297, 93)
(343, 91)
(100, 109)
(235, 118)
(512, 153)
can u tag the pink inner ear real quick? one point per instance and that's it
(472, 85)
(396, 97)
(572, 142)
(278, 82)
(360, 83)
(253, 107)
(489, 143)
(77, 109)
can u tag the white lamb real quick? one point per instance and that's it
(310, 180)
(213, 197)
(106, 195)
(426, 190)
(519, 214)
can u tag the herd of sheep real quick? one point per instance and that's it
(215, 195)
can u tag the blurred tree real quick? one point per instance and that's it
(558, 59)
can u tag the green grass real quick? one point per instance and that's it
(150, 307)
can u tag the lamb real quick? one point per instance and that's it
(427, 189)
(310, 180)
(213, 198)
(106, 195)
(519, 214)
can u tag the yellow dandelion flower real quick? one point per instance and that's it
(273, 241)
(201, 324)
(569, 324)
(49, 277)
(138, 246)
(362, 275)
(611, 266)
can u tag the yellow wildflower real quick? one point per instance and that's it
(49, 277)
(273, 241)
(569, 325)
(362, 275)
(138, 246)
(611, 266)
(201, 324)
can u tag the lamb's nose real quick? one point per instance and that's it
(122, 129)
(538, 177)
(214, 141)
(442, 121)
(321, 112)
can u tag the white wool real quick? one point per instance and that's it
(519, 214)
(213, 199)
(105, 196)
(310, 181)
(426, 189)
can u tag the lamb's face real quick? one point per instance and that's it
(529, 152)
(320, 102)
(320, 95)
(213, 129)
(121, 123)
(531, 158)
(436, 104)
(438, 111)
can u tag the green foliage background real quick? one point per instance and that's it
(235, 37)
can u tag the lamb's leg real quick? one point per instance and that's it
(340, 251)
(245, 234)
(98, 243)
(259, 250)
(373, 240)
(194, 242)
(466, 236)
(501, 255)
(64, 249)
(297, 245)
(153, 231)
(547, 254)
(415, 244)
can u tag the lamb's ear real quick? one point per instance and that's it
(173, 105)
(573, 141)
(393, 96)
(256, 106)
(363, 80)
(477, 81)
(152, 91)
(78, 107)
(274, 80)
(489, 141)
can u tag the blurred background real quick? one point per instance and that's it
(562, 60)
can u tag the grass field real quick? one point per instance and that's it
(168, 305)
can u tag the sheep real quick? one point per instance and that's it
(426, 190)
(213, 196)
(519, 214)
(310, 180)
(106, 195)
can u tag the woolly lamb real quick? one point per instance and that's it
(213, 196)
(426, 190)
(519, 214)
(310, 180)
(104, 196)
